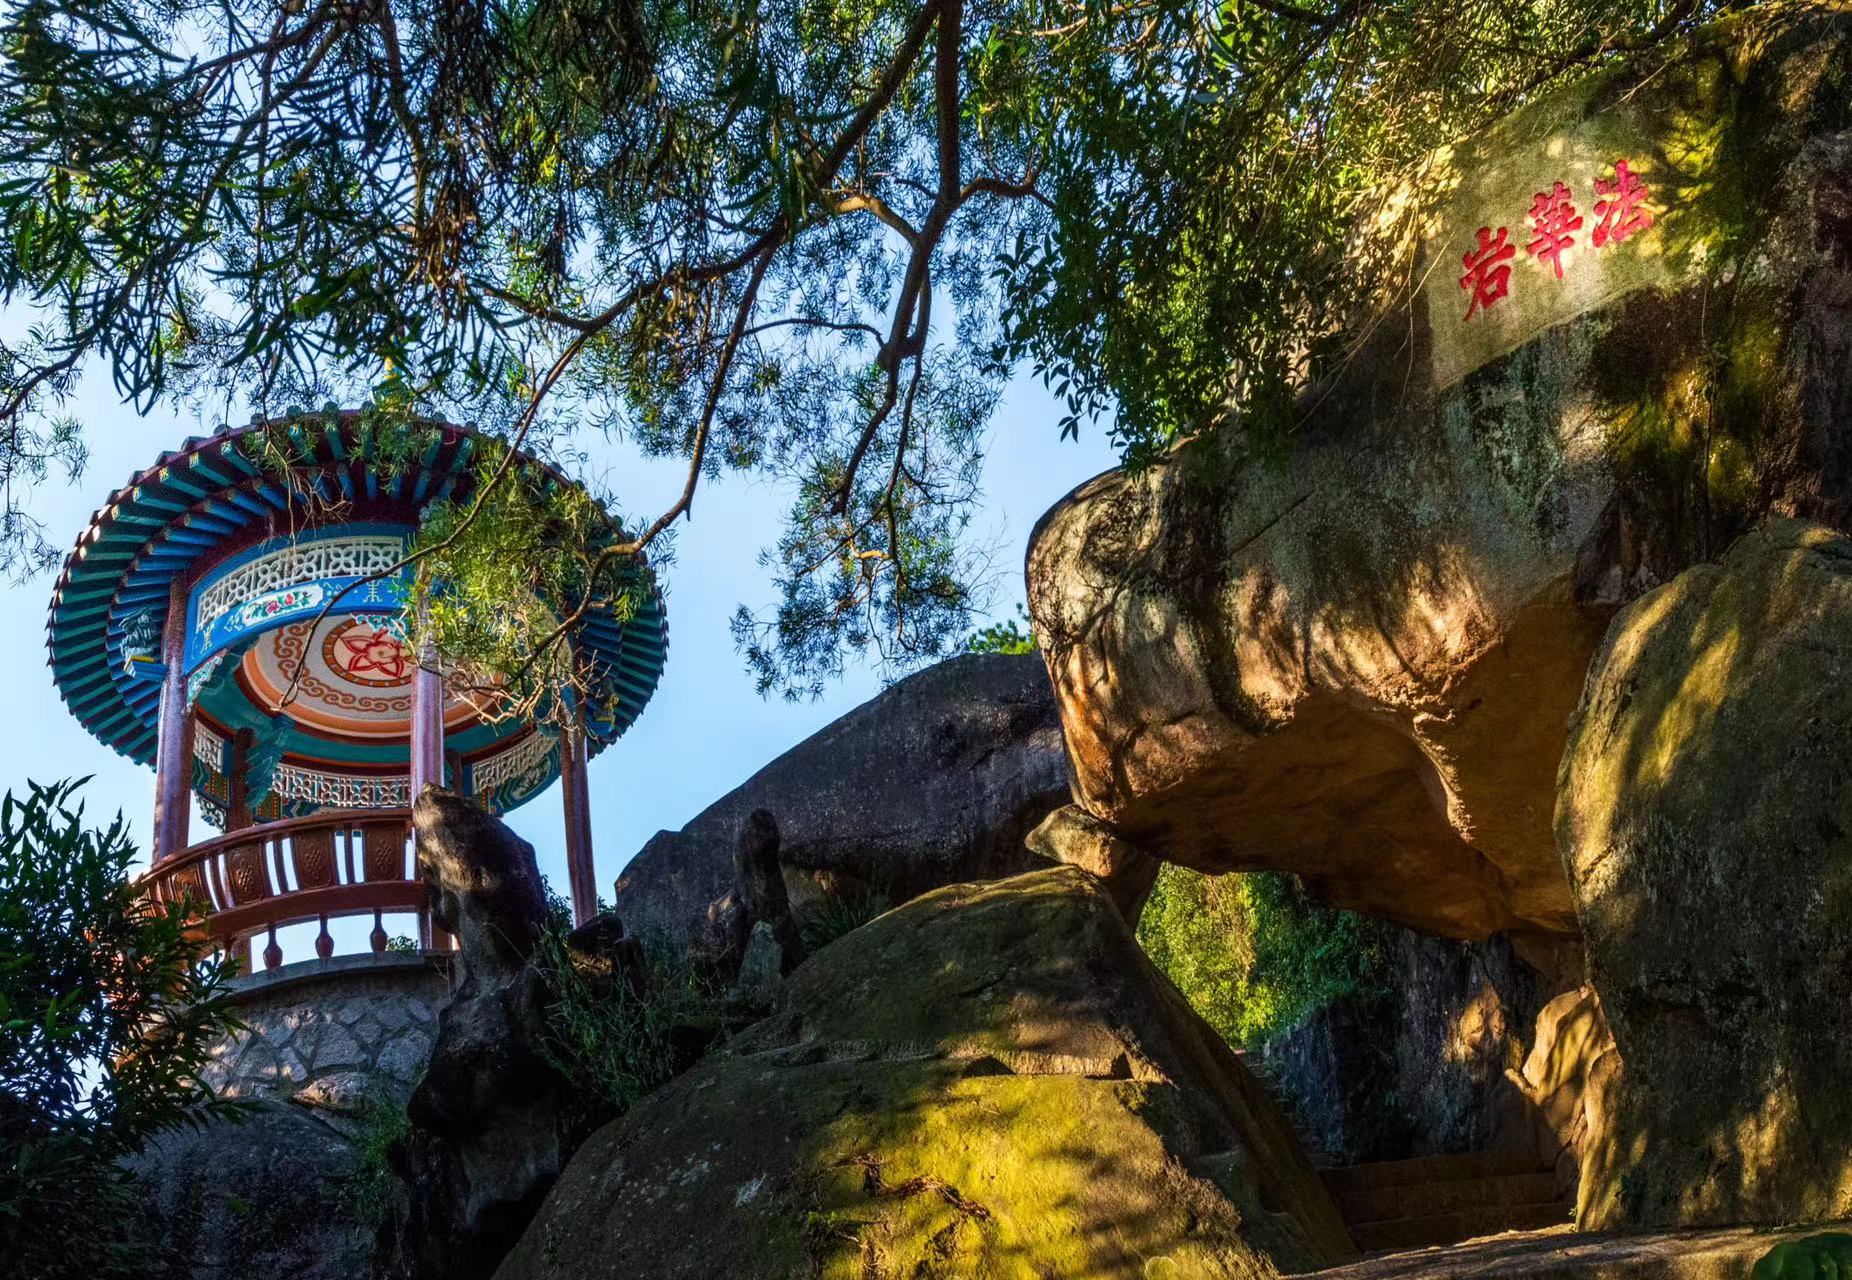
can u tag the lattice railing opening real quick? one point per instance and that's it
(208, 747)
(301, 562)
(526, 764)
(338, 790)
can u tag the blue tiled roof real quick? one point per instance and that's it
(207, 495)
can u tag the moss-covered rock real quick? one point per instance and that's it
(1354, 661)
(990, 1081)
(1706, 822)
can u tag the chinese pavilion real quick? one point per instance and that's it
(192, 629)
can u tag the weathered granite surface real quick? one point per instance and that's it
(991, 1080)
(1559, 1254)
(1706, 821)
(492, 1121)
(1355, 660)
(934, 781)
(1422, 1067)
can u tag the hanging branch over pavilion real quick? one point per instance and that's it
(801, 238)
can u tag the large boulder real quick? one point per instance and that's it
(1355, 661)
(1706, 821)
(492, 1121)
(1128, 874)
(935, 781)
(990, 1080)
(271, 1193)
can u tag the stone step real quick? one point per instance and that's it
(1558, 1253)
(1391, 1173)
(1398, 1234)
(1454, 1195)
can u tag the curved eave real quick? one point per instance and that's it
(205, 496)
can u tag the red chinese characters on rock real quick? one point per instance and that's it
(1554, 221)
(1621, 213)
(1488, 270)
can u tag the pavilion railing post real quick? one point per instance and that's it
(581, 873)
(173, 759)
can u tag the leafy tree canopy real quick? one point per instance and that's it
(805, 238)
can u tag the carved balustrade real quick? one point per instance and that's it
(318, 868)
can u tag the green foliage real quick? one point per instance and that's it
(503, 576)
(1012, 635)
(1827, 1256)
(108, 1007)
(836, 915)
(371, 1185)
(612, 1043)
(806, 239)
(1252, 954)
(28, 454)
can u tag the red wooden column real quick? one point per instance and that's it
(427, 723)
(580, 873)
(173, 752)
(237, 818)
(237, 792)
(427, 762)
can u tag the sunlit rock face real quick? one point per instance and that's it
(991, 1080)
(1355, 660)
(1565, 1076)
(1706, 819)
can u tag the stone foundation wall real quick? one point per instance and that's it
(333, 1027)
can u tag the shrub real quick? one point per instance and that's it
(614, 1044)
(372, 1185)
(1252, 953)
(109, 1004)
(1823, 1257)
(834, 915)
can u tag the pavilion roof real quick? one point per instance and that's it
(195, 502)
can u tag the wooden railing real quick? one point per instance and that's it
(340, 863)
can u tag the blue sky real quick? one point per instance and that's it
(705, 731)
